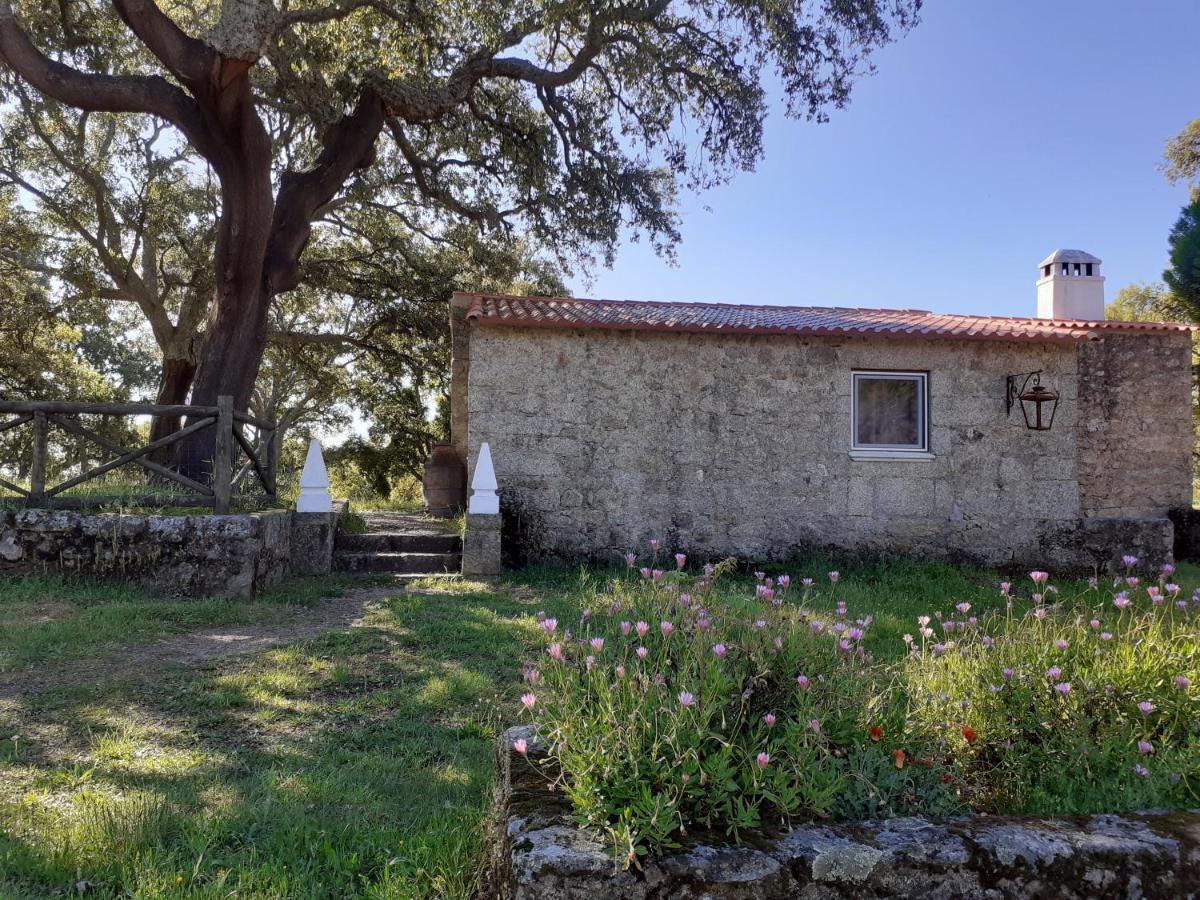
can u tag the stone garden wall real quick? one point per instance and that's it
(539, 853)
(739, 444)
(192, 556)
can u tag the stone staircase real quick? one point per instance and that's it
(398, 544)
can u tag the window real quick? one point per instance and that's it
(888, 412)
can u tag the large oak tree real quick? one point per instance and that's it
(569, 120)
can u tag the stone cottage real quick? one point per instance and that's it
(1053, 440)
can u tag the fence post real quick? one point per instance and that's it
(37, 470)
(223, 457)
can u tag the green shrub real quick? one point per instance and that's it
(675, 706)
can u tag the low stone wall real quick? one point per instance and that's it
(189, 556)
(539, 853)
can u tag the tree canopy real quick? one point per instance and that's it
(571, 123)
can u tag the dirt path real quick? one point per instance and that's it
(197, 648)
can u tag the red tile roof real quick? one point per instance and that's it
(727, 318)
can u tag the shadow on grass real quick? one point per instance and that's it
(357, 764)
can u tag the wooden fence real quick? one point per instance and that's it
(231, 443)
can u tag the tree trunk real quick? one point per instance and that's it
(236, 336)
(173, 388)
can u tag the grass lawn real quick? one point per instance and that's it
(354, 763)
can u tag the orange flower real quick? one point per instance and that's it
(876, 732)
(900, 757)
(969, 733)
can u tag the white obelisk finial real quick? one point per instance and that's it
(484, 499)
(314, 482)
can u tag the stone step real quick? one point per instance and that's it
(402, 563)
(398, 542)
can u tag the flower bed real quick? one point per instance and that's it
(676, 705)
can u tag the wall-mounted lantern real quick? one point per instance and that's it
(1032, 395)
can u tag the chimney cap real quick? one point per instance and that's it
(1069, 256)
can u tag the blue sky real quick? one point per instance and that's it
(992, 134)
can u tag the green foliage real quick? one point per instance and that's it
(677, 705)
(1054, 704)
(1145, 302)
(1183, 278)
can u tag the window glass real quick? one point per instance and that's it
(889, 411)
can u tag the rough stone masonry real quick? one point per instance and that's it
(539, 853)
(739, 443)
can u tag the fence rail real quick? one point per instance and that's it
(230, 442)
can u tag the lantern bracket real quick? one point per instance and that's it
(1028, 386)
(1013, 391)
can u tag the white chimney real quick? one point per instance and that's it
(1070, 287)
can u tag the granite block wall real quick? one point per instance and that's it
(739, 444)
(190, 556)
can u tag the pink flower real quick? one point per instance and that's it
(656, 575)
(685, 599)
(641, 628)
(703, 624)
(597, 644)
(556, 652)
(521, 746)
(1121, 600)
(655, 543)
(963, 608)
(784, 581)
(1130, 561)
(1053, 672)
(1167, 570)
(760, 624)
(719, 651)
(1095, 623)
(641, 652)
(1145, 748)
(833, 577)
(1008, 673)
(680, 560)
(1132, 581)
(1060, 644)
(626, 627)
(763, 760)
(666, 628)
(631, 559)
(686, 699)
(1141, 771)
(528, 700)
(1063, 688)
(1105, 636)
(620, 671)
(645, 571)
(806, 582)
(803, 681)
(548, 625)
(769, 718)
(1146, 707)
(760, 575)
(533, 676)
(1005, 587)
(815, 725)
(1181, 682)
(1039, 577)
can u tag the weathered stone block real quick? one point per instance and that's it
(481, 546)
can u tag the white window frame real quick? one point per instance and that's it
(891, 451)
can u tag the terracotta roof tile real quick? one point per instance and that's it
(724, 318)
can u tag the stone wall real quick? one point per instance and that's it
(539, 853)
(192, 556)
(1135, 425)
(739, 444)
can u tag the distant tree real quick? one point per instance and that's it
(574, 121)
(1145, 302)
(1183, 277)
(1181, 159)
